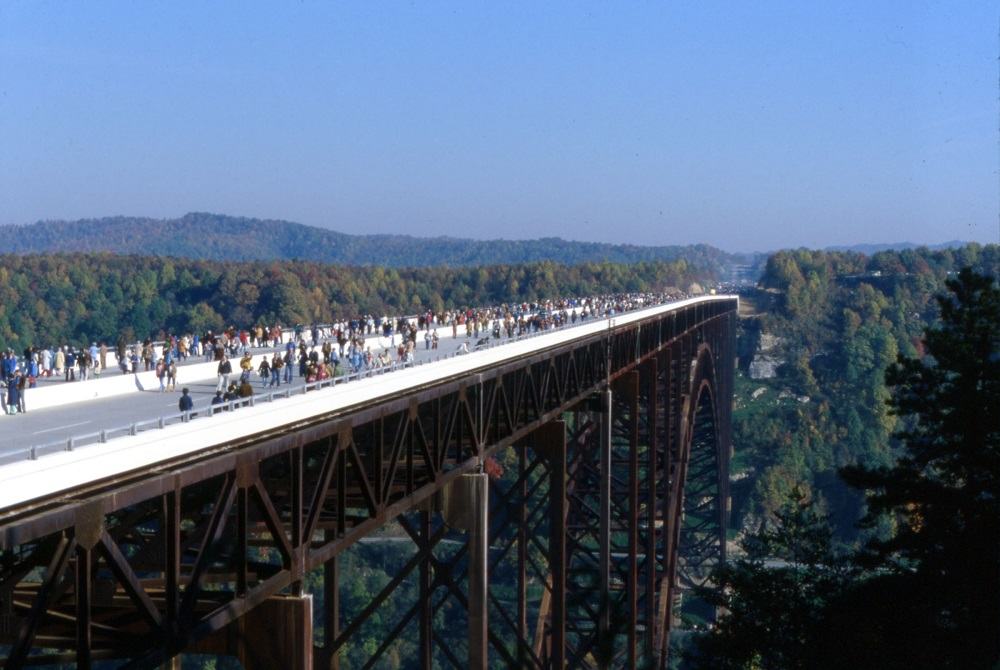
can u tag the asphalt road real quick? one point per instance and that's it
(58, 424)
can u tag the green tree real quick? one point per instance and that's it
(944, 491)
(925, 591)
(775, 597)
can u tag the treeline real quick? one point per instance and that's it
(922, 591)
(220, 237)
(79, 298)
(842, 319)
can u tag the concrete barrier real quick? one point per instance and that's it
(112, 383)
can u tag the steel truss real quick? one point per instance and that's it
(614, 495)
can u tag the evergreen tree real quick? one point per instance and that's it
(926, 594)
(944, 491)
(775, 596)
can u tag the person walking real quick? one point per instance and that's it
(21, 381)
(161, 374)
(225, 369)
(13, 397)
(120, 347)
(246, 366)
(276, 365)
(264, 370)
(172, 376)
(71, 365)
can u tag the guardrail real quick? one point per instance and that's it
(102, 436)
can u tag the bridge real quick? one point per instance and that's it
(551, 498)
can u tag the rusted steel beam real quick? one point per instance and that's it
(629, 385)
(653, 486)
(426, 639)
(478, 571)
(551, 441)
(84, 639)
(604, 516)
(331, 611)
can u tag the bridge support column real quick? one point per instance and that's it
(478, 570)
(466, 506)
(604, 575)
(275, 634)
(331, 611)
(551, 443)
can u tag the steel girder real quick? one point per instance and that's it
(144, 566)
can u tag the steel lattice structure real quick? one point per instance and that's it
(615, 450)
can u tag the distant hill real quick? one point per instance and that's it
(226, 238)
(870, 249)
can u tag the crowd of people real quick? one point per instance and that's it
(315, 352)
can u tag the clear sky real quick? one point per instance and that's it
(749, 126)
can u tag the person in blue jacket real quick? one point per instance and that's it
(13, 395)
(185, 403)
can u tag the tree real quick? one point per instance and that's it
(775, 597)
(925, 591)
(944, 491)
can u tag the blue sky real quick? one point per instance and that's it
(749, 127)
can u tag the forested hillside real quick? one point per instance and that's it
(78, 298)
(832, 322)
(218, 237)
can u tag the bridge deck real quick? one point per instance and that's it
(63, 472)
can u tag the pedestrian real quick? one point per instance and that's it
(246, 366)
(225, 369)
(13, 397)
(161, 374)
(33, 371)
(185, 403)
(172, 376)
(245, 390)
(21, 379)
(265, 371)
(276, 365)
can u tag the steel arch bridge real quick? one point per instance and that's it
(549, 509)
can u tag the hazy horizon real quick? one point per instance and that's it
(749, 251)
(746, 128)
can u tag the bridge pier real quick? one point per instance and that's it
(550, 442)
(331, 612)
(604, 556)
(275, 634)
(478, 571)
(466, 506)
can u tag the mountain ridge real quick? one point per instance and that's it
(204, 235)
